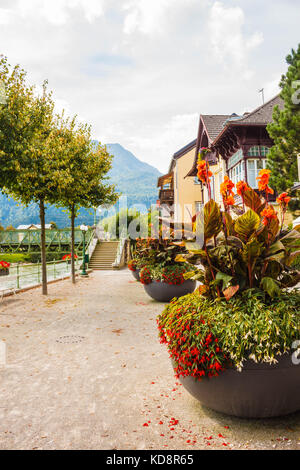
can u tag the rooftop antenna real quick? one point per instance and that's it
(262, 91)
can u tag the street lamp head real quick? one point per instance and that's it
(84, 228)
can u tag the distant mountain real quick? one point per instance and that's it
(133, 178)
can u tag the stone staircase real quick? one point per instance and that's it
(104, 255)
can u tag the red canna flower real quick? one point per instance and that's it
(268, 214)
(227, 194)
(204, 173)
(226, 187)
(283, 199)
(229, 201)
(263, 181)
(242, 187)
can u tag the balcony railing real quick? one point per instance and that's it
(166, 196)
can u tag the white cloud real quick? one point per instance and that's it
(141, 74)
(271, 88)
(58, 12)
(172, 135)
(230, 45)
(146, 16)
(5, 16)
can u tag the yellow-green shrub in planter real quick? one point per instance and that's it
(165, 283)
(236, 357)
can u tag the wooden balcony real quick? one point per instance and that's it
(166, 196)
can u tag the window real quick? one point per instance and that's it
(253, 168)
(237, 173)
(235, 158)
(196, 181)
(198, 206)
(258, 151)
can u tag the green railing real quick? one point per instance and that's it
(27, 275)
(29, 241)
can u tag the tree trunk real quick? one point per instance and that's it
(73, 243)
(43, 248)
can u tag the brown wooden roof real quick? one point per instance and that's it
(218, 126)
(263, 114)
(165, 179)
(213, 124)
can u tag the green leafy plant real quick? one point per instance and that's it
(172, 274)
(132, 265)
(242, 310)
(253, 250)
(206, 336)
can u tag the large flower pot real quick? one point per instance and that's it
(4, 272)
(163, 292)
(259, 391)
(136, 274)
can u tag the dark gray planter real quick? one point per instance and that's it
(259, 391)
(163, 292)
(136, 274)
(4, 272)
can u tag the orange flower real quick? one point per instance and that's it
(263, 181)
(229, 201)
(204, 173)
(241, 187)
(226, 187)
(283, 199)
(268, 214)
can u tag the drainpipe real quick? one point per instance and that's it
(177, 193)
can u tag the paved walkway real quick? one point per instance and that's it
(100, 391)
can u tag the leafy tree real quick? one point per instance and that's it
(284, 129)
(30, 169)
(86, 167)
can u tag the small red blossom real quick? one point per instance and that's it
(241, 188)
(268, 215)
(263, 181)
(283, 199)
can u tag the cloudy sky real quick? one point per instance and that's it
(141, 71)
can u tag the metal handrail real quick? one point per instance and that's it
(120, 249)
(55, 274)
(17, 239)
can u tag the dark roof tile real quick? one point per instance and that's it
(214, 123)
(264, 113)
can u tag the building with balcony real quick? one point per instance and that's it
(183, 195)
(240, 147)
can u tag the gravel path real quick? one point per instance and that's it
(85, 370)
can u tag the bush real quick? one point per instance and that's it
(15, 257)
(205, 336)
(132, 265)
(172, 274)
(253, 250)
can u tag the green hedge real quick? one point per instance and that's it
(14, 257)
(30, 257)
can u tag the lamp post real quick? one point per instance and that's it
(84, 229)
